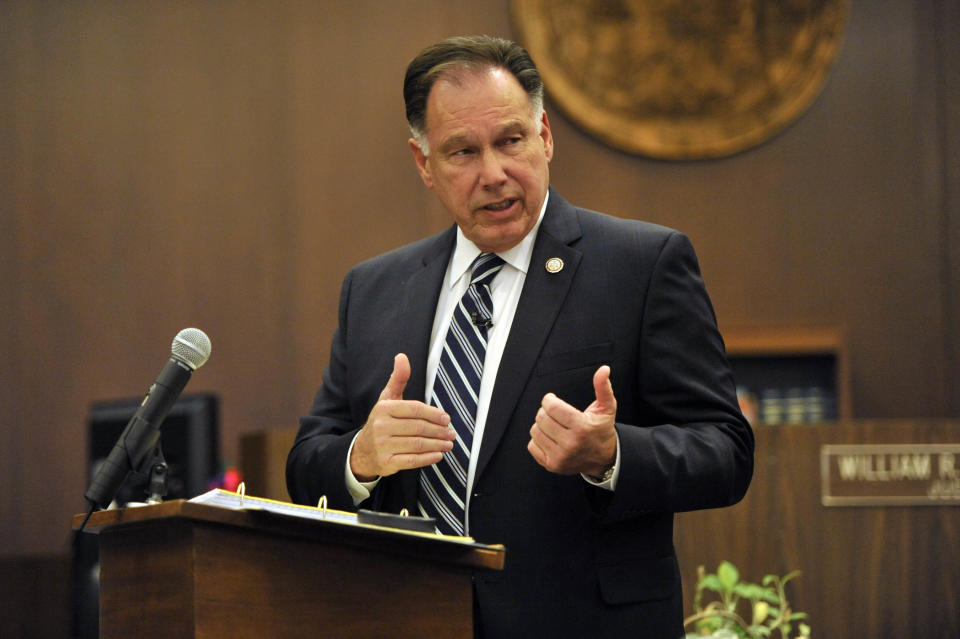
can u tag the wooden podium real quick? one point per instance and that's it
(182, 569)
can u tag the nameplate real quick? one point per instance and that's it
(890, 475)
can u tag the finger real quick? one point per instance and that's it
(405, 428)
(603, 389)
(537, 453)
(559, 411)
(542, 440)
(398, 378)
(546, 428)
(394, 446)
(392, 452)
(412, 410)
(545, 452)
(406, 461)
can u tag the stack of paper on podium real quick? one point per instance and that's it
(240, 501)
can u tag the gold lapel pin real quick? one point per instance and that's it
(554, 265)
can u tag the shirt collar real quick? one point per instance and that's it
(518, 257)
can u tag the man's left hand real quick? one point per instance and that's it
(567, 441)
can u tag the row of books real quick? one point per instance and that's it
(791, 405)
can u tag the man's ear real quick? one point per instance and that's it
(546, 136)
(421, 161)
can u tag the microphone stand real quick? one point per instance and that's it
(153, 464)
(157, 465)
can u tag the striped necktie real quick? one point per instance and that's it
(443, 486)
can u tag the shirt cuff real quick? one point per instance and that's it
(360, 490)
(610, 484)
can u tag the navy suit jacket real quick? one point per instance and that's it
(580, 561)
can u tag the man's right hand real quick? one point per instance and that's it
(400, 433)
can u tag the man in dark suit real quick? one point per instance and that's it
(602, 403)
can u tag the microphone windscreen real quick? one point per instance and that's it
(192, 347)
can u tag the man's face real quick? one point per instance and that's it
(487, 162)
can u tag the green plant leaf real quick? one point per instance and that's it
(711, 583)
(710, 625)
(728, 575)
(755, 592)
(791, 575)
(745, 589)
(768, 603)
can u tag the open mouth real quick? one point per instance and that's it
(503, 205)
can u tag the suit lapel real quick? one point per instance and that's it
(540, 301)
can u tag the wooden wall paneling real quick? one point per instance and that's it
(15, 121)
(933, 156)
(947, 60)
(867, 571)
(263, 461)
(36, 596)
(795, 231)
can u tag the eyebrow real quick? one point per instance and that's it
(514, 126)
(463, 139)
(454, 141)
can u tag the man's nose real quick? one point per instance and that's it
(492, 172)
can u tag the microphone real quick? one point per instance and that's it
(189, 351)
(482, 321)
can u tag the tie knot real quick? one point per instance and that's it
(485, 268)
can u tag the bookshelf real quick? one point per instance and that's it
(791, 375)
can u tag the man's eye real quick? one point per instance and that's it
(462, 152)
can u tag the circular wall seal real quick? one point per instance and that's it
(676, 79)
